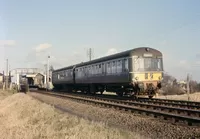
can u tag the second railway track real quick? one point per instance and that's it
(183, 113)
(162, 102)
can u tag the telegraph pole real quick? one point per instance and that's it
(45, 73)
(90, 54)
(48, 72)
(6, 76)
(188, 87)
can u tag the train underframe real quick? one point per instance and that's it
(126, 89)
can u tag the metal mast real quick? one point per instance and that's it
(90, 53)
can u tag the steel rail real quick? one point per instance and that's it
(169, 102)
(178, 110)
(192, 105)
(175, 117)
(145, 102)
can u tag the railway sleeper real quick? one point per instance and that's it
(192, 114)
(170, 110)
(190, 123)
(174, 120)
(144, 113)
(140, 111)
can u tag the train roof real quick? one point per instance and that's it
(138, 51)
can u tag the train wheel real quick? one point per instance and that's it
(134, 96)
(85, 91)
(101, 92)
(120, 94)
(150, 97)
(151, 93)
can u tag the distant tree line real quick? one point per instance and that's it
(195, 86)
(170, 86)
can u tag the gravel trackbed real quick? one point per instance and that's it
(140, 124)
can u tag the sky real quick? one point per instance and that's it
(63, 29)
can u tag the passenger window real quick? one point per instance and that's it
(114, 68)
(92, 69)
(119, 66)
(126, 64)
(108, 67)
(119, 62)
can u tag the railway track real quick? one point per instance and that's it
(176, 112)
(179, 102)
(192, 105)
(162, 102)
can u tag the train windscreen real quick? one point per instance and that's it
(147, 64)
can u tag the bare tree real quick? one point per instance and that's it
(168, 80)
(51, 68)
(170, 85)
(194, 86)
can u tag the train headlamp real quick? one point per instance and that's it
(160, 78)
(135, 79)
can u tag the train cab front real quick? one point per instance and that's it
(147, 86)
(147, 73)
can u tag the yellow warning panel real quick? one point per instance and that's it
(148, 76)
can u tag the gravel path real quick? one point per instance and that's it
(143, 125)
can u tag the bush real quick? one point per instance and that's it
(173, 90)
(194, 86)
(14, 89)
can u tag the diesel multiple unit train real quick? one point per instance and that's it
(134, 72)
